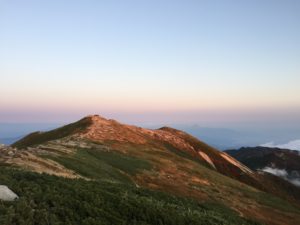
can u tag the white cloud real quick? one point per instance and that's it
(283, 174)
(277, 172)
(293, 145)
(295, 182)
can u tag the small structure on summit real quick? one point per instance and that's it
(6, 194)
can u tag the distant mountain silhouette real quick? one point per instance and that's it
(281, 162)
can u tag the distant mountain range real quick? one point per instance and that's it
(166, 160)
(281, 162)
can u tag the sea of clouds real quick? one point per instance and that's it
(292, 145)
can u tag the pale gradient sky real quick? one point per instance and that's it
(211, 62)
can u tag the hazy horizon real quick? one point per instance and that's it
(226, 137)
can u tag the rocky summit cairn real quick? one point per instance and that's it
(6, 194)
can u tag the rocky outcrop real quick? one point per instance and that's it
(6, 194)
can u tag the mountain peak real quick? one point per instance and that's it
(94, 118)
(97, 119)
(99, 129)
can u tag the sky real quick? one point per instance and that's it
(214, 63)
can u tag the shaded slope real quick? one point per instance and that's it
(42, 137)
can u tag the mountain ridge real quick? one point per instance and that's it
(97, 128)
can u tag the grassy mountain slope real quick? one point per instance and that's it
(42, 137)
(164, 160)
(100, 130)
(52, 200)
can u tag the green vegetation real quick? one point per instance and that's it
(98, 164)
(46, 200)
(276, 203)
(41, 137)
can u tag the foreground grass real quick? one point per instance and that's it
(52, 200)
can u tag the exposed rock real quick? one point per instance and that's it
(207, 159)
(10, 153)
(6, 194)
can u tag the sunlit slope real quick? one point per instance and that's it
(98, 129)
